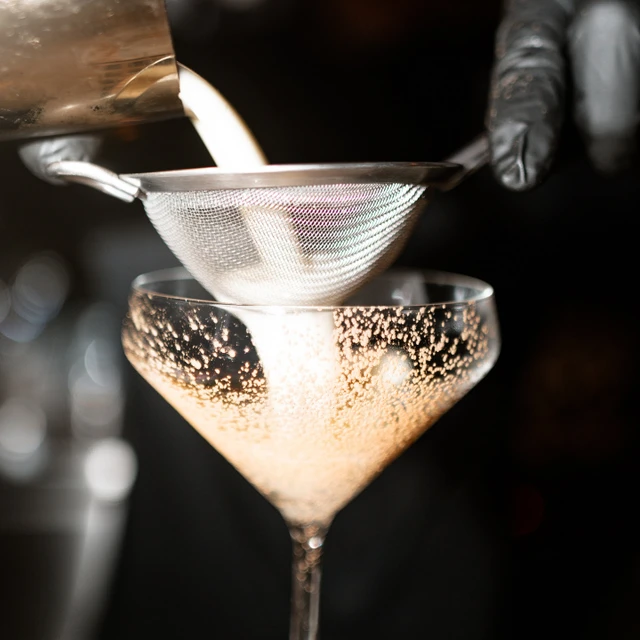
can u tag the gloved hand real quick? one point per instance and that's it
(38, 154)
(601, 41)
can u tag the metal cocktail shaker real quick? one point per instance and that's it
(69, 66)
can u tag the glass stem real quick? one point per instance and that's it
(305, 590)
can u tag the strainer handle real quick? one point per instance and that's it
(93, 175)
(471, 158)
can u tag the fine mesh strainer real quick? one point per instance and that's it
(300, 234)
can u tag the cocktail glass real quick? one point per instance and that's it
(310, 404)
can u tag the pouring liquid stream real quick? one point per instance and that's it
(300, 349)
(229, 141)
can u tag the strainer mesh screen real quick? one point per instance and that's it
(307, 245)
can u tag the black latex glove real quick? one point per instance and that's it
(538, 43)
(38, 154)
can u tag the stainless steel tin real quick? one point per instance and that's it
(68, 66)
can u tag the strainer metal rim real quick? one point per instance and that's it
(211, 178)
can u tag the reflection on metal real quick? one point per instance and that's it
(40, 288)
(95, 388)
(37, 293)
(110, 469)
(68, 66)
(5, 301)
(23, 429)
(65, 472)
(103, 527)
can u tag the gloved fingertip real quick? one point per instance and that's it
(513, 175)
(518, 163)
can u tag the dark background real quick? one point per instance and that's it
(513, 517)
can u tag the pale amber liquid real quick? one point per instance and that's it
(311, 448)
